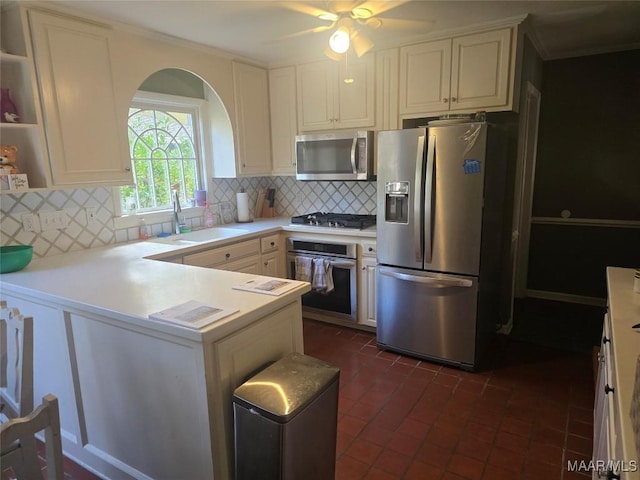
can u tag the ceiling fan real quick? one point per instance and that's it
(349, 20)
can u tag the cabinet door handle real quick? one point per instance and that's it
(445, 100)
(608, 389)
(454, 99)
(272, 244)
(227, 255)
(370, 249)
(127, 169)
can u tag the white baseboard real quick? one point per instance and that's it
(567, 297)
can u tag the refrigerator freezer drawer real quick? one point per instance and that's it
(427, 315)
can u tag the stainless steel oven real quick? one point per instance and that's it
(342, 301)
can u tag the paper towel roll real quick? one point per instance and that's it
(242, 200)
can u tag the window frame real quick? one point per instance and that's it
(202, 144)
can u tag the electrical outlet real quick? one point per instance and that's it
(92, 213)
(30, 222)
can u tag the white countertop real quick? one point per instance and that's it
(624, 311)
(126, 283)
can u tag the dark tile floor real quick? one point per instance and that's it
(524, 417)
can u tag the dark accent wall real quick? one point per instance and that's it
(588, 162)
(589, 138)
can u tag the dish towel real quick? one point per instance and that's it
(304, 268)
(322, 275)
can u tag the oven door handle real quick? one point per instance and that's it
(439, 282)
(342, 264)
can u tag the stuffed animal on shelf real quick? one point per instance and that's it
(8, 154)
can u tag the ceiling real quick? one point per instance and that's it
(255, 29)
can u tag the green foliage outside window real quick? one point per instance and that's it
(163, 155)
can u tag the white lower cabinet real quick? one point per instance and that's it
(602, 450)
(271, 265)
(224, 257)
(121, 384)
(238, 355)
(259, 257)
(245, 265)
(615, 441)
(272, 259)
(367, 285)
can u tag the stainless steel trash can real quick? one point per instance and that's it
(285, 421)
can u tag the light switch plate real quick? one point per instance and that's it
(53, 220)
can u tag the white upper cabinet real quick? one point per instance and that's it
(253, 135)
(282, 105)
(327, 102)
(387, 89)
(425, 72)
(480, 70)
(86, 138)
(466, 73)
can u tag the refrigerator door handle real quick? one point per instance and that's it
(436, 282)
(417, 200)
(354, 146)
(428, 199)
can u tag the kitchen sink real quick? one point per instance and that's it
(200, 236)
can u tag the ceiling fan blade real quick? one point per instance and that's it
(399, 24)
(375, 7)
(361, 44)
(319, 29)
(308, 9)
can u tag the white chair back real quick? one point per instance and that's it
(16, 352)
(18, 435)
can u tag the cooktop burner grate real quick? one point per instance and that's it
(336, 220)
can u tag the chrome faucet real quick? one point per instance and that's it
(176, 210)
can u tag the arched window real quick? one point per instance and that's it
(164, 145)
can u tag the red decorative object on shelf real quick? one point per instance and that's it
(8, 110)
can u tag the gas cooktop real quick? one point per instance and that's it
(335, 220)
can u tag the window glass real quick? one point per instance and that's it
(163, 144)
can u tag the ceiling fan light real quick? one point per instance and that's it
(361, 45)
(339, 40)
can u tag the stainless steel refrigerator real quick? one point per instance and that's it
(440, 229)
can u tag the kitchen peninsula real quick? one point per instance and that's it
(139, 398)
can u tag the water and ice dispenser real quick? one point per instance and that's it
(396, 202)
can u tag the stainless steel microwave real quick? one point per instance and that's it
(335, 156)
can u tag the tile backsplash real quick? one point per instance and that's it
(292, 198)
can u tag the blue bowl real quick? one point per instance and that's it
(14, 257)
